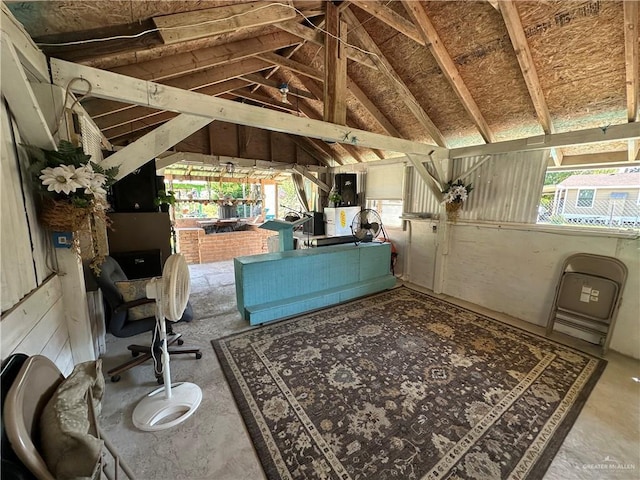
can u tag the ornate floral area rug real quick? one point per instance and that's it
(402, 385)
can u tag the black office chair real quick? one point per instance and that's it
(123, 316)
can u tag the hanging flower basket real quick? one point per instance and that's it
(73, 192)
(63, 216)
(453, 210)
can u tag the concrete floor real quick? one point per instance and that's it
(604, 443)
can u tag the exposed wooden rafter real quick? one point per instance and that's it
(391, 18)
(316, 37)
(445, 62)
(190, 62)
(529, 72)
(180, 27)
(387, 69)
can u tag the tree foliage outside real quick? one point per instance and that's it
(554, 178)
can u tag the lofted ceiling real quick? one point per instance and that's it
(446, 73)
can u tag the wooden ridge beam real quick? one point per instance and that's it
(398, 84)
(113, 86)
(391, 18)
(445, 62)
(316, 37)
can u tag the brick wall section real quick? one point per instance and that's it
(198, 247)
(189, 222)
(188, 243)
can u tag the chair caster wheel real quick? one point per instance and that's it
(198, 355)
(180, 341)
(135, 354)
(115, 378)
(160, 380)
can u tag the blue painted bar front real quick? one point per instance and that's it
(273, 286)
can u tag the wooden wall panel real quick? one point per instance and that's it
(257, 143)
(224, 139)
(282, 148)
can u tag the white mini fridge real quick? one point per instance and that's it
(339, 220)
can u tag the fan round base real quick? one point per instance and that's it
(156, 412)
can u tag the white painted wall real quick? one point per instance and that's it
(515, 270)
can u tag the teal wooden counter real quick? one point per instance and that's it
(273, 286)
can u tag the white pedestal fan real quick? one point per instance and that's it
(169, 405)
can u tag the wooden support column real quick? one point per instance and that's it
(335, 71)
(75, 305)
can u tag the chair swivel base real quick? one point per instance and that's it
(142, 353)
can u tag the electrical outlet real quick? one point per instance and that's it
(62, 239)
(434, 229)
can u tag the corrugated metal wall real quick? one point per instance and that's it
(418, 196)
(507, 188)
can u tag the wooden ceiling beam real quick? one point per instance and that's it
(118, 87)
(136, 113)
(445, 62)
(158, 141)
(398, 84)
(335, 67)
(100, 108)
(180, 27)
(391, 18)
(631, 59)
(317, 37)
(612, 133)
(177, 65)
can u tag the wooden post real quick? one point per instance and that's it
(75, 305)
(335, 61)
